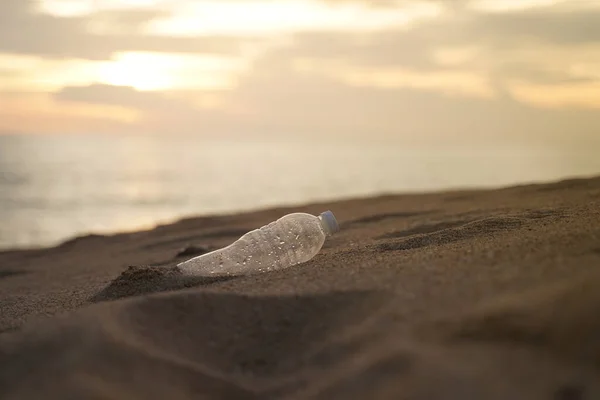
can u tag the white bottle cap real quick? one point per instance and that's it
(329, 223)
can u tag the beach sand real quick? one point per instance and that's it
(490, 294)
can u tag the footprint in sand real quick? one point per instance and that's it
(453, 231)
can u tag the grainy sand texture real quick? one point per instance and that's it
(490, 294)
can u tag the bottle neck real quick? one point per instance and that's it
(328, 223)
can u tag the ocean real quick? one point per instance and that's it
(55, 187)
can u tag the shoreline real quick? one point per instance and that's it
(291, 207)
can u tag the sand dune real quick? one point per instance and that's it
(456, 295)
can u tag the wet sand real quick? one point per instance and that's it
(457, 295)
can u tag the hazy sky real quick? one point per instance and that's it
(419, 70)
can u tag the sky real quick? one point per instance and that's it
(458, 71)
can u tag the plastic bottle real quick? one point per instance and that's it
(292, 239)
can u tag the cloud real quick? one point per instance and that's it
(113, 95)
(125, 22)
(558, 24)
(161, 112)
(25, 31)
(466, 75)
(98, 35)
(549, 25)
(539, 45)
(39, 113)
(381, 48)
(286, 99)
(283, 102)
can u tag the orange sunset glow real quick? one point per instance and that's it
(476, 68)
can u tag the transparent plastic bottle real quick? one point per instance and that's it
(292, 239)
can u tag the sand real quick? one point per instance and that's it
(489, 294)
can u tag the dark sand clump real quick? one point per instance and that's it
(136, 281)
(458, 295)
